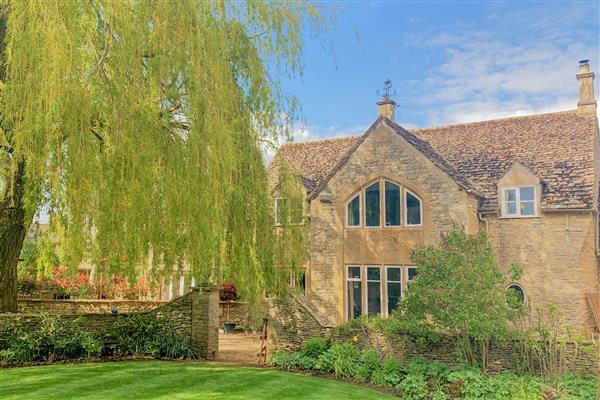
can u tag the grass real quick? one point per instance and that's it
(170, 380)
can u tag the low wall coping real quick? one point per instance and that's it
(101, 301)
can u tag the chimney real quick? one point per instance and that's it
(387, 108)
(587, 103)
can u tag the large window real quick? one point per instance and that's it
(414, 211)
(394, 287)
(392, 204)
(373, 290)
(353, 211)
(383, 205)
(354, 291)
(518, 202)
(383, 288)
(372, 205)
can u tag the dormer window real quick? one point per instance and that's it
(519, 201)
(382, 204)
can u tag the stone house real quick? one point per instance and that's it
(530, 181)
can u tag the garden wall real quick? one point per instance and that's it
(36, 306)
(292, 321)
(195, 316)
(235, 311)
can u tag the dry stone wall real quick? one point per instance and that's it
(35, 306)
(195, 316)
(292, 321)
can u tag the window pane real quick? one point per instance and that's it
(515, 292)
(526, 193)
(511, 208)
(373, 274)
(372, 205)
(353, 272)
(392, 204)
(354, 211)
(394, 274)
(394, 292)
(374, 298)
(413, 210)
(279, 210)
(412, 272)
(354, 299)
(510, 195)
(527, 208)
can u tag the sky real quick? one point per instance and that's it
(450, 62)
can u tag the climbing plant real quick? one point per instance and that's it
(138, 124)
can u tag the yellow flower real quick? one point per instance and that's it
(355, 339)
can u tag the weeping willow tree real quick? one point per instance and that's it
(138, 125)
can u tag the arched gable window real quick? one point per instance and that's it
(414, 209)
(384, 203)
(353, 211)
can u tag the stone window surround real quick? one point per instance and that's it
(383, 285)
(361, 193)
(503, 212)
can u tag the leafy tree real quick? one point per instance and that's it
(139, 123)
(458, 290)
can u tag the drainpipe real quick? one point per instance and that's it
(480, 216)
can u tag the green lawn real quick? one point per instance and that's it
(170, 380)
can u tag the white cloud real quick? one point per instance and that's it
(522, 63)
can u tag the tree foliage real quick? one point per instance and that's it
(140, 124)
(459, 290)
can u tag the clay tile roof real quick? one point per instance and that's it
(312, 160)
(425, 148)
(558, 147)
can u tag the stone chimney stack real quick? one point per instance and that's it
(387, 108)
(587, 102)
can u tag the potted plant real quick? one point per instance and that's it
(228, 293)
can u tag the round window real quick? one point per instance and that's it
(515, 294)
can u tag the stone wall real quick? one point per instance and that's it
(502, 355)
(293, 321)
(235, 311)
(557, 252)
(36, 306)
(195, 316)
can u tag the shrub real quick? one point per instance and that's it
(413, 387)
(228, 292)
(52, 339)
(369, 364)
(284, 360)
(314, 347)
(390, 375)
(341, 359)
(145, 334)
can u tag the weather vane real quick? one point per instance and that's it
(387, 86)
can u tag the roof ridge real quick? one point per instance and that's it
(331, 139)
(494, 120)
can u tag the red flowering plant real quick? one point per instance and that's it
(228, 292)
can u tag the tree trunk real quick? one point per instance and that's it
(12, 235)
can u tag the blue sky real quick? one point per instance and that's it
(450, 62)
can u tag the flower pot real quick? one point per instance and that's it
(229, 327)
